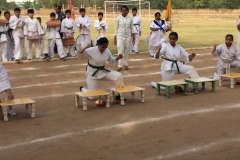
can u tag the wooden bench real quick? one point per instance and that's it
(202, 80)
(27, 101)
(127, 89)
(232, 77)
(168, 84)
(91, 93)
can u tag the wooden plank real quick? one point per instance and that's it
(231, 75)
(172, 83)
(16, 102)
(127, 89)
(92, 93)
(200, 79)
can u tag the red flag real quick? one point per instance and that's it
(71, 8)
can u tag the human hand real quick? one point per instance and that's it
(120, 56)
(10, 94)
(115, 41)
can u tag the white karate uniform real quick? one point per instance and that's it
(96, 58)
(156, 38)
(168, 69)
(137, 27)
(4, 81)
(123, 31)
(17, 35)
(54, 37)
(10, 45)
(32, 28)
(44, 41)
(100, 32)
(84, 34)
(3, 42)
(68, 26)
(227, 57)
(238, 39)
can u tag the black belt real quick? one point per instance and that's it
(174, 62)
(98, 68)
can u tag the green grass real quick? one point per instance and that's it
(194, 30)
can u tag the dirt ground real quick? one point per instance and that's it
(199, 127)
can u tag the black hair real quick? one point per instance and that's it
(173, 34)
(39, 18)
(102, 41)
(157, 13)
(0, 12)
(58, 7)
(100, 14)
(67, 11)
(229, 35)
(17, 9)
(82, 10)
(30, 11)
(6, 12)
(52, 14)
(134, 9)
(125, 8)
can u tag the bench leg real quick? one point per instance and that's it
(213, 86)
(5, 117)
(108, 101)
(220, 82)
(232, 83)
(133, 94)
(84, 103)
(158, 90)
(203, 85)
(112, 96)
(185, 89)
(77, 100)
(27, 107)
(122, 99)
(33, 110)
(168, 91)
(196, 87)
(142, 96)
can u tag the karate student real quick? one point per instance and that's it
(96, 71)
(44, 50)
(54, 37)
(68, 28)
(83, 23)
(33, 29)
(16, 22)
(158, 34)
(171, 52)
(101, 27)
(238, 28)
(123, 36)
(5, 89)
(228, 54)
(137, 27)
(3, 40)
(10, 40)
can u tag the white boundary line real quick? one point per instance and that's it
(127, 124)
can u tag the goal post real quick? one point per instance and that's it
(127, 3)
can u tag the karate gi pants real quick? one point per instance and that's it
(10, 49)
(3, 51)
(84, 40)
(134, 47)
(19, 47)
(44, 46)
(222, 70)
(93, 83)
(51, 43)
(123, 46)
(184, 69)
(238, 41)
(70, 50)
(37, 44)
(152, 50)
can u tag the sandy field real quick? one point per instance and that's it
(199, 127)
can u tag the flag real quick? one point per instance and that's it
(71, 8)
(169, 13)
